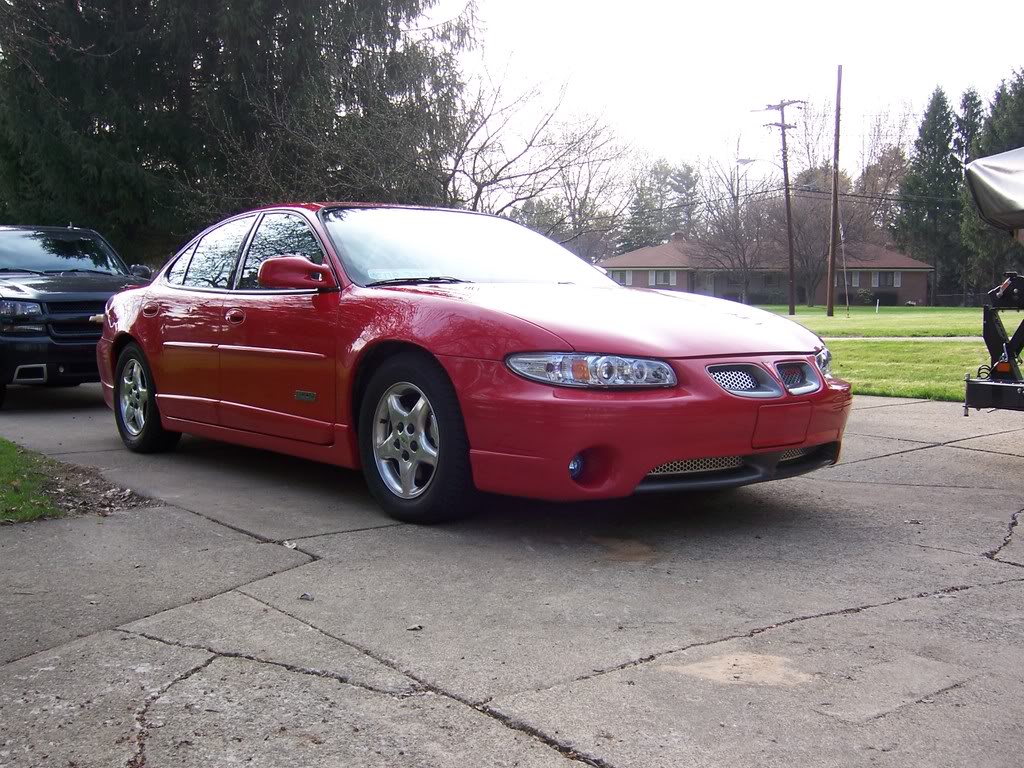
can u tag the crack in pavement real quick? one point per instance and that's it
(767, 628)
(344, 679)
(505, 720)
(926, 698)
(138, 760)
(993, 554)
(923, 445)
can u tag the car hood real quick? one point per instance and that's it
(630, 321)
(75, 286)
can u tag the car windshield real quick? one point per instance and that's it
(54, 251)
(381, 245)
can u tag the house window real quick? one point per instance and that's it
(855, 279)
(886, 280)
(772, 280)
(661, 277)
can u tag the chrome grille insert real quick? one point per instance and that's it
(694, 466)
(798, 377)
(745, 380)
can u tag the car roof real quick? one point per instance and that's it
(314, 207)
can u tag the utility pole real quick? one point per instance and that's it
(833, 244)
(781, 109)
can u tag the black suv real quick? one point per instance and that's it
(52, 281)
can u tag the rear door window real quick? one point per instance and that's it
(279, 234)
(216, 255)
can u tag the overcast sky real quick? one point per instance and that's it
(680, 79)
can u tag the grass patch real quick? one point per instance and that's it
(889, 321)
(23, 480)
(933, 370)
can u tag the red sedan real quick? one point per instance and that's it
(447, 352)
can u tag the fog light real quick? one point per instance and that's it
(576, 467)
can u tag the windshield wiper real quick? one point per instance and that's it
(22, 269)
(77, 269)
(415, 280)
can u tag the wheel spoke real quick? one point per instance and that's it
(396, 411)
(407, 475)
(385, 448)
(428, 454)
(419, 414)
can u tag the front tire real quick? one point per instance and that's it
(135, 407)
(413, 444)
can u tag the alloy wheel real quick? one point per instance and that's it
(406, 443)
(134, 397)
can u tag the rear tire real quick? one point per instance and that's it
(135, 407)
(413, 444)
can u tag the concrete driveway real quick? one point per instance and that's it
(870, 614)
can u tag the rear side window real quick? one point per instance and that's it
(177, 271)
(279, 234)
(216, 254)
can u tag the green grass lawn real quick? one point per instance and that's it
(22, 479)
(889, 321)
(932, 370)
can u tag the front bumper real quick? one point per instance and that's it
(523, 434)
(41, 360)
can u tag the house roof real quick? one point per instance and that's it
(685, 254)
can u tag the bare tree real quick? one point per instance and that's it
(883, 162)
(734, 230)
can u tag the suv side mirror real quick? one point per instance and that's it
(141, 270)
(295, 273)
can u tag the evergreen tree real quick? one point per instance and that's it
(969, 122)
(928, 220)
(991, 251)
(160, 116)
(662, 205)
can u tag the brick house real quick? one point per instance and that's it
(873, 271)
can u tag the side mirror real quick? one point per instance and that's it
(295, 273)
(141, 270)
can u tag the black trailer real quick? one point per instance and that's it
(997, 183)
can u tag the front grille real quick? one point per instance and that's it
(694, 466)
(69, 320)
(76, 330)
(792, 375)
(734, 379)
(795, 453)
(76, 307)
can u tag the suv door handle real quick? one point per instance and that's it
(235, 316)
(150, 309)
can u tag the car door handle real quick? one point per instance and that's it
(235, 316)
(150, 309)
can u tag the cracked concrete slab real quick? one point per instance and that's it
(234, 624)
(524, 601)
(860, 448)
(1010, 443)
(931, 422)
(67, 578)
(939, 466)
(239, 712)
(77, 705)
(906, 684)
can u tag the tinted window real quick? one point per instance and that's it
(279, 234)
(57, 251)
(177, 271)
(215, 256)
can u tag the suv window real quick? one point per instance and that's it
(279, 234)
(216, 254)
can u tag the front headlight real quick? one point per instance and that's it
(19, 309)
(17, 317)
(571, 370)
(824, 359)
